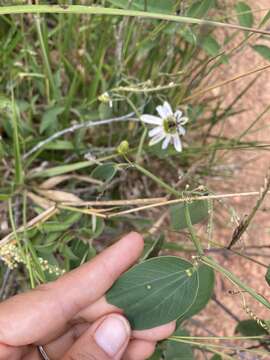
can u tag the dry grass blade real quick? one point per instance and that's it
(36, 221)
(223, 83)
(116, 202)
(242, 227)
(58, 196)
(40, 201)
(183, 200)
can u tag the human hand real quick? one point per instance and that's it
(71, 319)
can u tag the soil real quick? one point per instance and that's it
(247, 173)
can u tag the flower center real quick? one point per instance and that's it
(170, 125)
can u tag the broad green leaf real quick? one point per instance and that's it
(104, 172)
(200, 8)
(198, 211)
(159, 6)
(60, 145)
(263, 50)
(216, 357)
(62, 169)
(206, 286)
(250, 328)
(156, 291)
(178, 350)
(210, 45)
(50, 119)
(83, 252)
(61, 224)
(267, 276)
(244, 14)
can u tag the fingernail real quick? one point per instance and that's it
(111, 334)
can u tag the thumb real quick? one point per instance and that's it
(106, 339)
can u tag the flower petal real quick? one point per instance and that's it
(164, 110)
(156, 139)
(183, 120)
(150, 119)
(155, 131)
(181, 130)
(178, 114)
(166, 142)
(177, 142)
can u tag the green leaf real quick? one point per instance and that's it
(206, 277)
(50, 119)
(104, 172)
(178, 350)
(198, 211)
(210, 45)
(250, 328)
(244, 14)
(83, 251)
(200, 8)
(60, 145)
(216, 357)
(263, 50)
(156, 291)
(267, 276)
(159, 6)
(188, 35)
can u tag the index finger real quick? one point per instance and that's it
(29, 317)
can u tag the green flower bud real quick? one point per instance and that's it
(123, 147)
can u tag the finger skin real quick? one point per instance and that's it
(39, 314)
(86, 347)
(57, 348)
(101, 307)
(155, 334)
(7, 352)
(139, 350)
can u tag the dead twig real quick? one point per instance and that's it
(242, 227)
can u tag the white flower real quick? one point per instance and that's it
(169, 126)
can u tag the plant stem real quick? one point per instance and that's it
(80, 9)
(17, 151)
(73, 128)
(193, 235)
(56, 94)
(156, 179)
(208, 261)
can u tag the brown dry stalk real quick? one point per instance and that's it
(151, 203)
(242, 227)
(223, 83)
(116, 202)
(182, 200)
(38, 220)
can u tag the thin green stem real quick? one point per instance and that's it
(17, 151)
(140, 147)
(80, 9)
(159, 181)
(193, 235)
(56, 94)
(210, 262)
